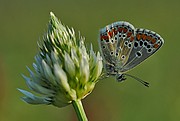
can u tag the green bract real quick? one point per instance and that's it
(64, 70)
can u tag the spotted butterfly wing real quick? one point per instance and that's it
(146, 43)
(116, 41)
(124, 47)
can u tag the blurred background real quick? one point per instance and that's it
(22, 24)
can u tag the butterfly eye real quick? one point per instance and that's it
(110, 67)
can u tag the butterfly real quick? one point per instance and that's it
(123, 47)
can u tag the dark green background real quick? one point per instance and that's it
(22, 24)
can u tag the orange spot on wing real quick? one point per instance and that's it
(149, 38)
(103, 37)
(120, 29)
(114, 31)
(138, 36)
(144, 37)
(125, 30)
(132, 38)
(129, 34)
(153, 40)
(110, 33)
(156, 46)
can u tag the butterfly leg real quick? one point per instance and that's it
(120, 77)
(103, 76)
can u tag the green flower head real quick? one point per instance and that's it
(64, 70)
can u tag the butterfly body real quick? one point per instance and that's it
(123, 47)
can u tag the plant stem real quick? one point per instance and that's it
(78, 107)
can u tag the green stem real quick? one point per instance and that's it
(78, 107)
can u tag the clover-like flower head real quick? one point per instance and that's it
(64, 70)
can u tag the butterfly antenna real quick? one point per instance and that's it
(138, 79)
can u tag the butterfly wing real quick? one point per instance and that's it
(116, 42)
(146, 43)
